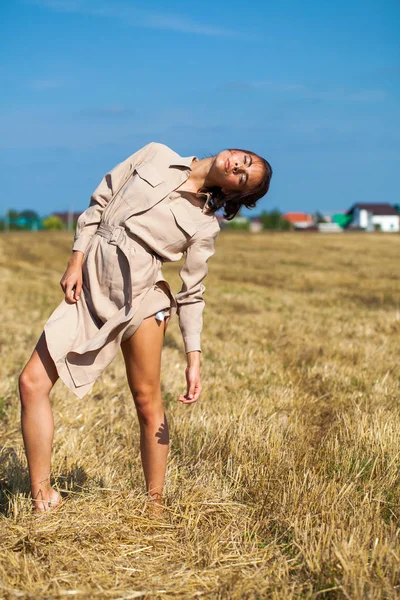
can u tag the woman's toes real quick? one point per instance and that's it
(49, 502)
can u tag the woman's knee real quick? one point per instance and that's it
(148, 403)
(31, 385)
(39, 374)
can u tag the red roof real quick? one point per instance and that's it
(297, 217)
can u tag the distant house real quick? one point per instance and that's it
(299, 220)
(239, 222)
(320, 218)
(32, 224)
(341, 219)
(371, 217)
(331, 227)
(64, 217)
(24, 220)
(256, 225)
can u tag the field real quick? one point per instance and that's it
(283, 480)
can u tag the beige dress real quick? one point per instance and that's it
(126, 234)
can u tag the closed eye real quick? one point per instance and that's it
(244, 177)
(247, 161)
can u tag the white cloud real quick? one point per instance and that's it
(134, 16)
(339, 94)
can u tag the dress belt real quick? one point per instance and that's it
(118, 236)
(112, 233)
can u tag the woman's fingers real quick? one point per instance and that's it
(185, 400)
(78, 289)
(197, 392)
(191, 384)
(71, 283)
(69, 291)
(193, 392)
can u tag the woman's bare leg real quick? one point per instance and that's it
(35, 383)
(142, 354)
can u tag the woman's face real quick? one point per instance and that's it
(235, 170)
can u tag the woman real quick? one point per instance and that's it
(151, 208)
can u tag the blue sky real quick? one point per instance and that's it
(312, 86)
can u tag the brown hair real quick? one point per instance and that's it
(233, 201)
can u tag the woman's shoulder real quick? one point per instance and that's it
(158, 148)
(165, 156)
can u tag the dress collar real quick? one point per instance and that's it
(207, 204)
(186, 161)
(183, 161)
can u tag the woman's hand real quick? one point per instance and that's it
(71, 281)
(193, 379)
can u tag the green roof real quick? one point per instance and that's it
(341, 219)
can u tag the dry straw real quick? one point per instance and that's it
(283, 480)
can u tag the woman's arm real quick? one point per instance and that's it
(190, 306)
(89, 220)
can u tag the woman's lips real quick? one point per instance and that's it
(227, 164)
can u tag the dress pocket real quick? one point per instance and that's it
(149, 173)
(142, 185)
(183, 218)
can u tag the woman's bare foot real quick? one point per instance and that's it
(46, 499)
(155, 507)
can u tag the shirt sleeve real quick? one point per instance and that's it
(89, 220)
(190, 301)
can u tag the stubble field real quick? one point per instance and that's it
(283, 480)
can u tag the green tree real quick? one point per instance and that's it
(273, 220)
(53, 222)
(29, 219)
(319, 217)
(12, 217)
(29, 215)
(13, 214)
(238, 223)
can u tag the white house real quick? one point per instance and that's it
(329, 228)
(371, 217)
(256, 225)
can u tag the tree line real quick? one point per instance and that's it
(270, 220)
(29, 220)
